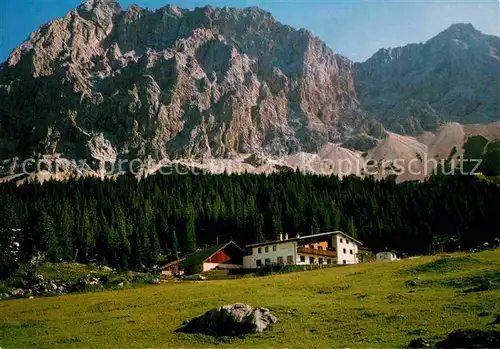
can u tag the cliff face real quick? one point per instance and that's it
(107, 83)
(453, 77)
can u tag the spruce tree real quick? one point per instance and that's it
(65, 227)
(45, 227)
(9, 241)
(190, 230)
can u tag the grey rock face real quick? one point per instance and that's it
(453, 77)
(104, 83)
(231, 320)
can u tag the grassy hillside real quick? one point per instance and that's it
(375, 305)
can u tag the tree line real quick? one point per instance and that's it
(128, 224)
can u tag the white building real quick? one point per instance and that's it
(325, 248)
(386, 256)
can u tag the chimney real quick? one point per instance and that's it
(280, 236)
(298, 235)
(286, 236)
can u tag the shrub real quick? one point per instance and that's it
(194, 269)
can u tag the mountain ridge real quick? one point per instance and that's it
(106, 84)
(452, 77)
(226, 60)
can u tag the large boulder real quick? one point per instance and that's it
(471, 339)
(231, 320)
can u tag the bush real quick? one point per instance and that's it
(194, 269)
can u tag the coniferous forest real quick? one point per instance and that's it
(127, 224)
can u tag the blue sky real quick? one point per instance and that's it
(356, 29)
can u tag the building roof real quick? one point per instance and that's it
(199, 257)
(306, 237)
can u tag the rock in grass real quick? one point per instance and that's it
(17, 292)
(231, 320)
(471, 339)
(418, 343)
(496, 322)
(195, 277)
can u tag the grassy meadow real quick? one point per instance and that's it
(373, 305)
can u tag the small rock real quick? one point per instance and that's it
(17, 292)
(418, 343)
(496, 321)
(31, 297)
(120, 285)
(195, 277)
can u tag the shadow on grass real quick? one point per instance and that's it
(446, 264)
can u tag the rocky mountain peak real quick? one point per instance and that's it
(453, 77)
(461, 31)
(100, 5)
(457, 37)
(175, 83)
(100, 11)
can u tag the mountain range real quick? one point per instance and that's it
(234, 89)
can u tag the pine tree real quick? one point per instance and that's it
(190, 230)
(121, 244)
(65, 228)
(88, 226)
(45, 227)
(174, 246)
(9, 241)
(258, 227)
(352, 229)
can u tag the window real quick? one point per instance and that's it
(341, 240)
(268, 261)
(311, 260)
(274, 248)
(320, 260)
(334, 262)
(266, 249)
(344, 262)
(320, 248)
(345, 250)
(303, 259)
(334, 249)
(280, 260)
(328, 261)
(346, 241)
(259, 263)
(259, 250)
(350, 251)
(289, 259)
